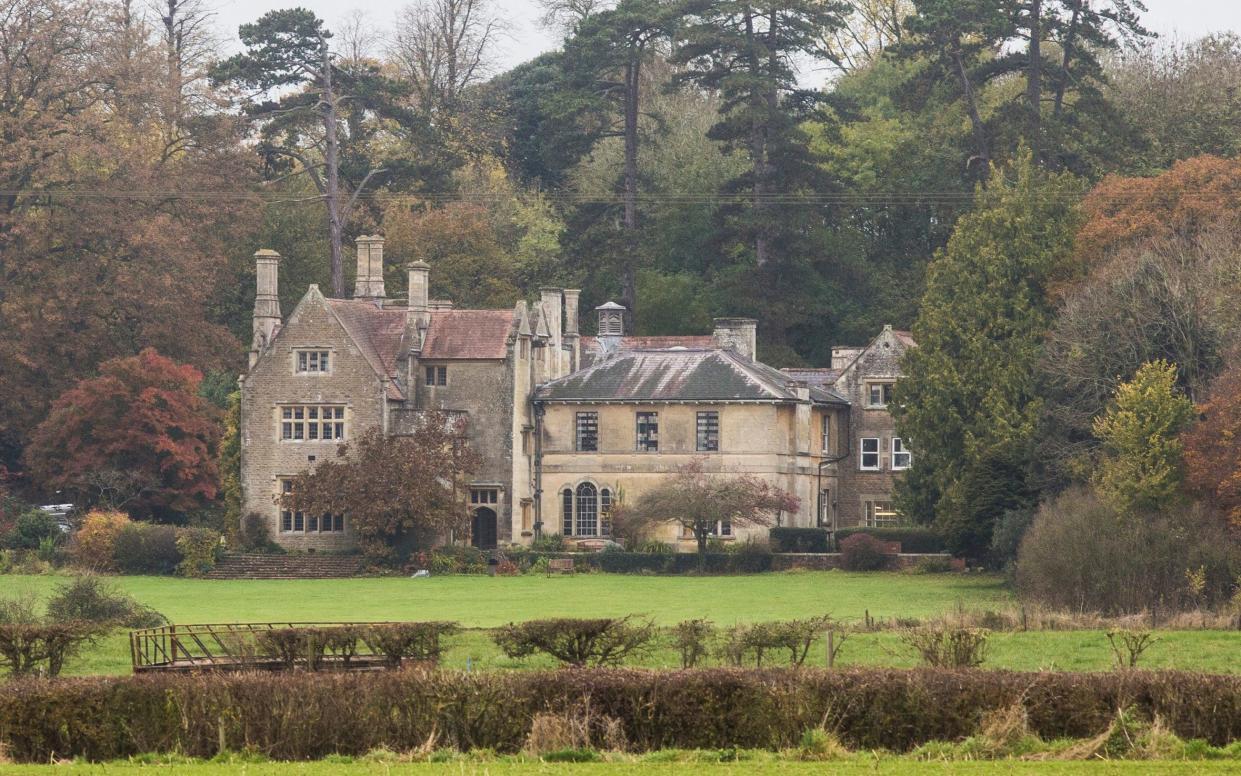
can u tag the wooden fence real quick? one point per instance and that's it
(236, 646)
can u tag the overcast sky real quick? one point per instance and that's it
(1182, 18)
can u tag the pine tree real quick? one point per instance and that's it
(968, 403)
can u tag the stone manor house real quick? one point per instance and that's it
(567, 425)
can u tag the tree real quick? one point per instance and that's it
(1212, 452)
(288, 56)
(1141, 466)
(870, 28)
(137, 436)
(442, 48)
(968, 402)
(394, 490)
(699, 502)
(746, 51)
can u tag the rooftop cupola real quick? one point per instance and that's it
(611, 319)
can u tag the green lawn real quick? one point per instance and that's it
(484, 601)
(860, 765)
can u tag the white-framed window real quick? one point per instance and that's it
(312, 422)
(313, 362)
(825, 508)
(437, 375)
(299, 522)
(586, 511)
(880, 514)
(901, 457)
(708, 432)
(484, 496)
(878, 394)
(587, 432)
(825, 431)
(648, 432)
(868, 459)
(719, 528)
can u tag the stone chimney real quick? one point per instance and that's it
(419, 286)
(267, 319)
(553, 308)
(737, 334)
(369, 283)
(611, 319)
(572, 333)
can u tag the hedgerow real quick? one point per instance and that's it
(283, 714)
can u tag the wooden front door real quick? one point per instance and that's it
(483, 530)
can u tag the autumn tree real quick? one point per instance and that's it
(137, 437)
(968, 402)
(1213, 446)
(395, 491)
(699, 502)
(1141, 467)
(443, 48)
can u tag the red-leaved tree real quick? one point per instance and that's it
(138, 437)
(697, 501)
(394, 489)
(1213, 446)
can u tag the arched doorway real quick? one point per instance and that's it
(483, 529)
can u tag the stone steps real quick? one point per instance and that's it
(256, 566)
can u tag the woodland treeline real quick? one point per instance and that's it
(1023, 182)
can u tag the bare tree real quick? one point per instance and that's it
(871, 26)
(357, 39)
(190, 42)
(442, 47)
(565, 15)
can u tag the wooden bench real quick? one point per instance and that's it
(560, 565)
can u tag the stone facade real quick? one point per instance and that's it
(523, 377)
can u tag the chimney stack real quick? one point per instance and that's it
(571, 296)
(369, 283)
(554, 310)
(266, 320)
(737, 334)
(419, 286)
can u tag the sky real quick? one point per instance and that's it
(526, 39)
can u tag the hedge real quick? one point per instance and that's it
(913, 539)
(618, 562)
(296, 716)
(798, 539)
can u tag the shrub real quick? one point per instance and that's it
(32, 529)
(863, 552)
(631, 562)
(199, 549)
(654, 547)
(253, 535)
(577, 642)
(109, 718)
(1080, 555)
(913, 539)
(452, 559)
(290, 645)
(692, 640)
(755, 641)
(798, 539)
(27, 648)
(94, 544)
(751, 557)
(417, 641)
(1007, 535)
(932, 566)
(948, 647)
(548, 543)
(147, 549)
(88, 598)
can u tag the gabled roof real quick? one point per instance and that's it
(468, 334)
(697, 375)
(817, 377)
(378, 333)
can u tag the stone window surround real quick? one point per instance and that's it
(570, 509)
(870, 508)
(338, 424)
(291, 518)
(325, 352)
(885, 387)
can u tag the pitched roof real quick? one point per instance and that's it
(701, 375)
(591, 348)
(468, 334)
(378, 333)
(816, 376)
(906, 338)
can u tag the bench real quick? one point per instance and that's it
(561, 565)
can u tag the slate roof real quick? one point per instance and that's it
(591, 349)
(692, 374)
(817, 377)
(468, 334)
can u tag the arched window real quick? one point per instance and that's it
(566, 528)
(605, 512)
(587, 510)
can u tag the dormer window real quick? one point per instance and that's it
(313, 362)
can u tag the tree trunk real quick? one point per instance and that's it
(1070, 37)
(700, 533)
(971, 105)
(629, 273)
(758, 146)
(1034, 77)
(331, 160)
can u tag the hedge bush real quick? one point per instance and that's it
(798, 539)
(94, 544)
(280, 714)
(142, 548)
(913, 539)
(577, 642)
(863, 552)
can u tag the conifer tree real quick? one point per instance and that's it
(968, 404)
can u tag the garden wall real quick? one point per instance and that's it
(309, 716)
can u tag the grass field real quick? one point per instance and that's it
(484, 602)
(887, 766)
